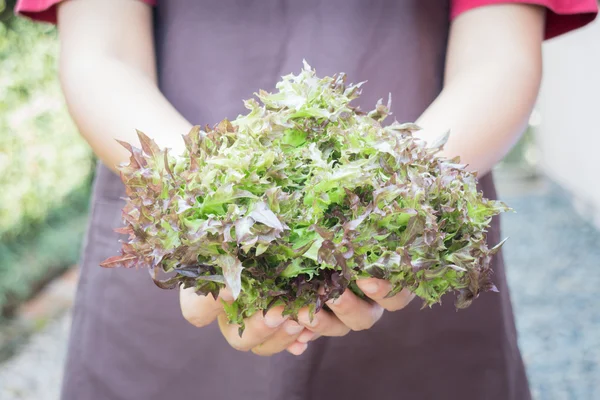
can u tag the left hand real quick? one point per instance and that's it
(350, 313)
(273, 333)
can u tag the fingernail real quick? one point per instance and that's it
(293, 328)
(306, 337)
(369, 287)
(297, 348)
(274, 320)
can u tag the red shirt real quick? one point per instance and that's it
(562, 15)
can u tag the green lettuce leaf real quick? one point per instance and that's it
(293, 201)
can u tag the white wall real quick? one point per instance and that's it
(569, 103)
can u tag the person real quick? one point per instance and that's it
(473, 66)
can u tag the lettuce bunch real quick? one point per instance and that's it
(295, 200)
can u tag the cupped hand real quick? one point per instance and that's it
(272, 333)
(350, 313)
(263, 335)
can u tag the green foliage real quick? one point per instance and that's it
(45, 167)
(292, 202)
(42, 249)
(42, 157)
(6, 9)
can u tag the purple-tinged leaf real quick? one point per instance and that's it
(232, 272)
(126, 261)
(264, 215)
(497, 247)
(243, 228)
(148, 145)
(324, 233)
(353, 199)
(137, 158)
(353, 225)
(439, 142)
(168, 284)
(301, 196)
(126, 230)
(167, 166)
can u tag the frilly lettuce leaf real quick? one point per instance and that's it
(291, 202)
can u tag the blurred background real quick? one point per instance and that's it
(550, 178)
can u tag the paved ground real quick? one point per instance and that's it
(36, 372)
(553, 259)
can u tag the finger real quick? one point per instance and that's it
(307, 336)
(257, 329)
(297, 348)
(378, 289)
(324, 323)
(280, 340)
(354, 312)
(301, 343)
(200, 310)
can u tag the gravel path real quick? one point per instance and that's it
(553, 261)
(36, 372)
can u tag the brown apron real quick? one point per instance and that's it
(129, 340)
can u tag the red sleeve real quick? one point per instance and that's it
(562, 15)
(45, 10)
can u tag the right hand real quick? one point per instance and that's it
(264, 336)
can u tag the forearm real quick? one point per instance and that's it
(493, 74)
(486, 110)
(116, 101)
(108, 76)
